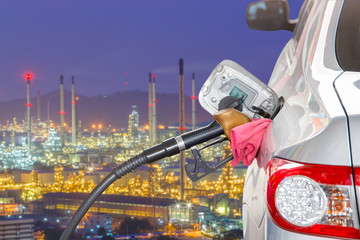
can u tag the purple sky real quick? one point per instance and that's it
(99, 41)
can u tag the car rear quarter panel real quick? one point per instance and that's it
(311, 127)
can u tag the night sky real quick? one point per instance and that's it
(100, 41)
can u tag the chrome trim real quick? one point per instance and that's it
(180, 142)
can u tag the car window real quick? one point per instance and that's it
(347, 43)
(303, 15)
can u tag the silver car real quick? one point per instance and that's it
(305, 181)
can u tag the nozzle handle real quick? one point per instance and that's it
(226, 119)
(230, 118)
(196, 173)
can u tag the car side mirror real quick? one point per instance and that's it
(269, 16)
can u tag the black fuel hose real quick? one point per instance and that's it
(167, 148)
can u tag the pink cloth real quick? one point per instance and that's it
(246, 140)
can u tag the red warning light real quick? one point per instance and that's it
(28, 104)
(73, 102)
(126, 83)
(28, 76)
(193, 97)
(154, 76)
(150, 105)
(156, 101)
(62, 112)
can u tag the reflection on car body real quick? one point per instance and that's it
(305, 183)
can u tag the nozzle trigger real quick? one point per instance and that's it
(195, 175)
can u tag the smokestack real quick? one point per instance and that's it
(193, 101)
(78, 122)
(154, 110)
(38, 106)
(182, 126)
(150, 108)
(28, 105)
(73, 114)
(62, 112)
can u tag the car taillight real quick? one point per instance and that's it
(312, 199)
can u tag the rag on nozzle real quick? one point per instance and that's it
(245, 140)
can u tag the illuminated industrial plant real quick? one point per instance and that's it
(96, 149)
(154, 183)
(78, 156)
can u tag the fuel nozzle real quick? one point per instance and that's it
(227, 119)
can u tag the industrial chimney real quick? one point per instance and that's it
(62, 112)
(154, 110)
(150, 108)
(28, 105)
(193, 101)
(73, 114)
(181, 126)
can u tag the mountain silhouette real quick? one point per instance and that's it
(112, 109)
